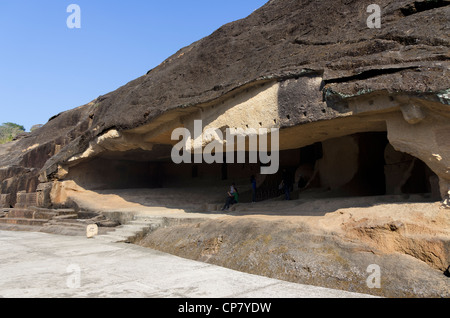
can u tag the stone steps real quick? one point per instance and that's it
(129, 232)
(23, 221)
(58, 221)
(57, 211)
(76, 223)
(67, 223)
(18, 227)
(31, 216)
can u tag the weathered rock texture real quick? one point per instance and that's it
(361, 112)
(312, 68)
(334, 250)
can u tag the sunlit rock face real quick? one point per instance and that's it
(315, 70)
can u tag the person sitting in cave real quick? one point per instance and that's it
(232, 197)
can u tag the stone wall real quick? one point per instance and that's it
(25, 200)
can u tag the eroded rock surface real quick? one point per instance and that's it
(321, 62)
(360, 111)
(409, 244)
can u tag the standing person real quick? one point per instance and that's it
(253, 182)
(235, 195)
(286, 185)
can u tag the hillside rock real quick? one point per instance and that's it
(319, 51)
(284, 41)
(360, 111)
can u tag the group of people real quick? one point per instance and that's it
(286, 185)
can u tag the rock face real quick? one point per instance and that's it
(360, 112)
(313, 69)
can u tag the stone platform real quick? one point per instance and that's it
(40, 265)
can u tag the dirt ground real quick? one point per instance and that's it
(391, 246)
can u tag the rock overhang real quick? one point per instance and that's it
(321, 76)
(279, 104)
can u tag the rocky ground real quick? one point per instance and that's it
(329, 242)
(291, 251)
(351, 243)
(318, 244)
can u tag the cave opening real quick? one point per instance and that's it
(361, 164)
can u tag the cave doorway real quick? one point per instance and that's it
(362, 164)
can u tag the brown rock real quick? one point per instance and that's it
(323, 55)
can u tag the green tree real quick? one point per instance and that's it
(8, 131)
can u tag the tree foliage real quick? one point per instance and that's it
(8, 131)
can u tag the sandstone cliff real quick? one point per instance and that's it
(319, 57)
(360, 111)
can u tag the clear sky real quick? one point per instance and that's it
(47, 68)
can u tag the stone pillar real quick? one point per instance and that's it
(43, 195)
(339, 163)
(426, 139)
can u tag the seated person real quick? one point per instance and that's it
(232, 198)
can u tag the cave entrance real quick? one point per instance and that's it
(362, 164)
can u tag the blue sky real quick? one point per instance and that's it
(47, 68)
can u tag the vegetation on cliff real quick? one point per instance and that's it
(8, 131)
